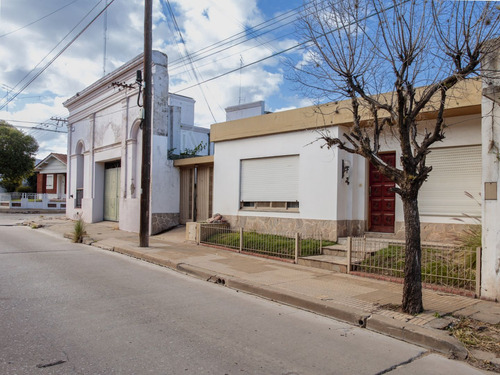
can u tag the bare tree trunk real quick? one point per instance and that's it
(412, 289)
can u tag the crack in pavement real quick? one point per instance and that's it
(412, 359)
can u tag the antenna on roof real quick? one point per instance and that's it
(241, 68)
(105, 40)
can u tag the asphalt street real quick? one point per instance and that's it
(72, 309)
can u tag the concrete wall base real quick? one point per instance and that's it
(164, 221)
(331, 229)
(327, 229)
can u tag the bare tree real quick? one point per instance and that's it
(415, 52)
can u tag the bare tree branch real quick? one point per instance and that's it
(376, 54)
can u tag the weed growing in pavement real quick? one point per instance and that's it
(79, 229)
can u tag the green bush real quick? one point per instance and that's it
(25, 189)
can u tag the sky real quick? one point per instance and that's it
(34, 32)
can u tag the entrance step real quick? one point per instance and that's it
(385, 236)
(325, 262)
(342, 241)
(335, 250)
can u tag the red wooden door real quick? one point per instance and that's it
(382, 199)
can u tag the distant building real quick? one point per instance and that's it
(51, 176)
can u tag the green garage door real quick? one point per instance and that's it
(112, 191)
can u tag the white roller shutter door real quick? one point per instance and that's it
(273, 179)
(454, 171)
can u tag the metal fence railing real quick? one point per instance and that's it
(283, 246)
(454, 269)
(446, 266)
(18, 200)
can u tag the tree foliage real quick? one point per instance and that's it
(17, 151)
(394, 60)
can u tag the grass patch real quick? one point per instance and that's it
(454, 268)
(388, 261)
(267, 244)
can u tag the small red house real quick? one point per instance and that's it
(51, 176)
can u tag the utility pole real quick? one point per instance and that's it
(146, 126)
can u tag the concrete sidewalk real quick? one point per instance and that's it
(360, 301)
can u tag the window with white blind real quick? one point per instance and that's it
(270, 183)
(49, 183)
(455, 170)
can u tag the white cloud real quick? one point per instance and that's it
(202, 24)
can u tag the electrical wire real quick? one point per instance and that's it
(175, 66)
(58, 54)
(243, 34)
(53, 49)
(282, 51)
(40, 19)
(35, 128)
(273, 20)
(246, 65)
(195, 73)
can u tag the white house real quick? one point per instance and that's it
(271, 175)
(105, 148)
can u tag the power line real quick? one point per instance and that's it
(284, 50)
(237, 52)
(188, 55)
(41, 129)
(242, 34)
(24, 122)
(57, 55)
(256, 36)
(245, 66)
(57, 45)
(41, 18)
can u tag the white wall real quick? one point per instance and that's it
(351, 197)
(461, 131)
(192, 137)
(53, 166)
(183, 134)
(106, 119)
(490, 285)
(490, 265)
(323, 194)
(318, 171)
(186, 105)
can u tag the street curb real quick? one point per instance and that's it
(438, 340)
(434, 339)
